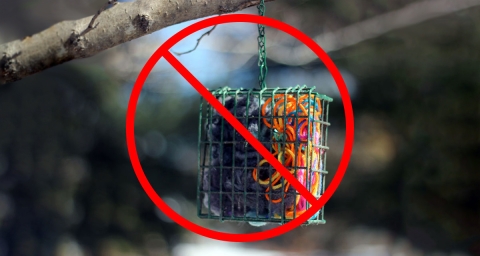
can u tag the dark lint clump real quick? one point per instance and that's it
(232, 162)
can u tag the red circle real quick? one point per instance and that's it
(130, 127)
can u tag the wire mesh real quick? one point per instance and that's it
(235, 183)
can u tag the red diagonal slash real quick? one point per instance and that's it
(239, 127)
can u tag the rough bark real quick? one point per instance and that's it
(123, 22)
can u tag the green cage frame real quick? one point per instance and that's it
(205, 151)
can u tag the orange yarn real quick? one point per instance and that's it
(284, 107)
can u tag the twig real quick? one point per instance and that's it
(198, 42)
(92, 21)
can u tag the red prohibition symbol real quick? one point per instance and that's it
(163, 51)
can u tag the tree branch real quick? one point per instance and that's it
(123, 22)
(410, 15)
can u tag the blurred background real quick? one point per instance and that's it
(412, 187)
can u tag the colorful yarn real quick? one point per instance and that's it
(290, 119)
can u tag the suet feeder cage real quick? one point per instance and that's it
(235, 183)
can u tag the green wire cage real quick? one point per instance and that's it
(235, 183)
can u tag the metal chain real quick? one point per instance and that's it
(262, 53)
